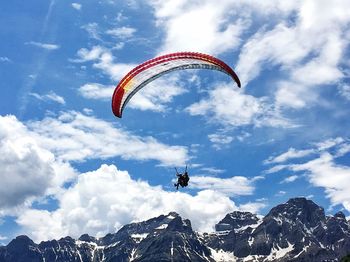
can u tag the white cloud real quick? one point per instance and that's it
(308, 49)
(243, 136)
(44, 45)
(334, 178)
(51, 96)
(206, 26)
(220, 140)
(343, 149)
(329, 143)
(280, 193)
(230, 107)
(301, 41)
(270, 46)
(157, 94)
(104, 61)
(253, 207)
(287, 45)
(322, 69)
(96, 91)
(275, 169)
(290, 179)
(88, 111)
(323, 170)
(293, 95)
(76, 6)
(89, 55)
(123, 32)
(2, 238)
(237, 185)
(201, 27)
(290, 154)
(28, 170)
(77, 137)
(121, 17)
(102, 201)
(118, 46)
(344, 91)
(93, 30)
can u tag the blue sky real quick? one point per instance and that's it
(69, 167)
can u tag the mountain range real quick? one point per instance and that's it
(297, 230)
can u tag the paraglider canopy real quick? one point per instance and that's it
(156, 67)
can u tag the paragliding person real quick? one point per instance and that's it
(182, 179)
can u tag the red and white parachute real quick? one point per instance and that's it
(150, 70)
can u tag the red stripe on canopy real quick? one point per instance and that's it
(119, 90)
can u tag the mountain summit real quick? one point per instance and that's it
(297, 230)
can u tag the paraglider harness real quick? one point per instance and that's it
(182, 179)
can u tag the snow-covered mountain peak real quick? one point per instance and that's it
(297, 230)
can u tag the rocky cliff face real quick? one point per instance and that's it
(297, 230)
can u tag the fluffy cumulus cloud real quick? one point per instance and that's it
(77, 137)
(302, 45)
(28, 170)
(102, 201)
(41, 151)
(230, 107)
(197, 26)
(22, 160)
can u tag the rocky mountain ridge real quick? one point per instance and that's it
(297, 230)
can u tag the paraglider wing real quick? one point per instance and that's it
(156, 67)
